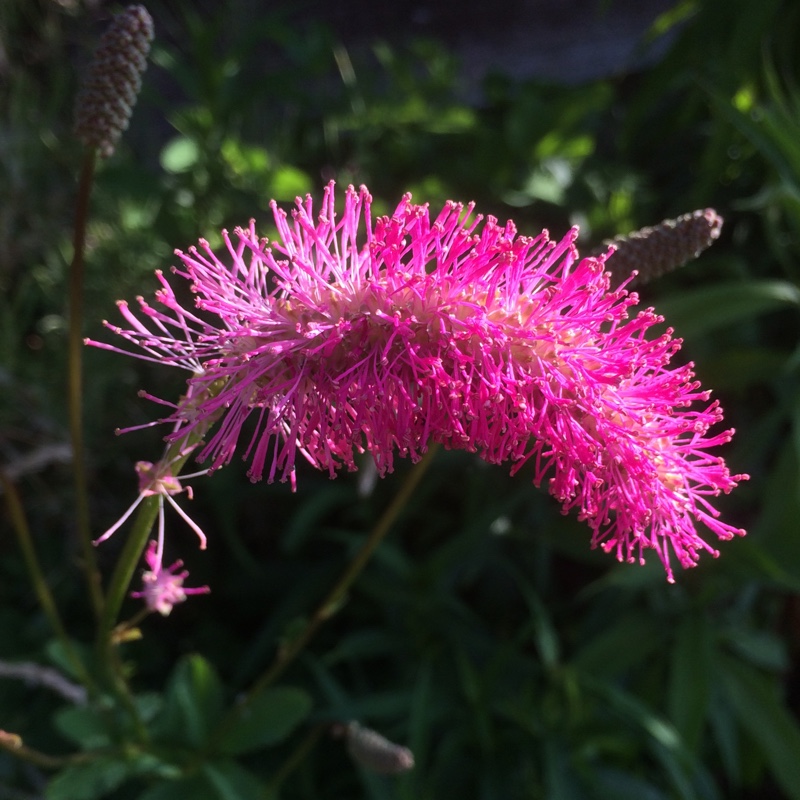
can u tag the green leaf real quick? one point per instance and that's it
(195, 787)
(545, 635)
(232, 782)
(763, 715)
(269, 719)
(56, 653)
(697, 312)
(611, 782)
(726, 735)
(148, 704)
(621, 645)
(83, 725)
(690, 678)
(760, 648)
(87, 781)
(662, 738)
(192, 704)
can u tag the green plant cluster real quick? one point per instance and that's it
(484, 634)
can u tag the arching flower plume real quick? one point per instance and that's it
(351, 334)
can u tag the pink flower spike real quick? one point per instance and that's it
(352, 334)
(163, 586)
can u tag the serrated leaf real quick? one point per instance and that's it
(87, 781)
(269, 719)
(693, 313)
(762, 714)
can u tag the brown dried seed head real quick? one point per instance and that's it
(108, 94)
(664, 247)
(375, 752)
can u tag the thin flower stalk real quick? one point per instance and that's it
(155, 483)
(102, 112)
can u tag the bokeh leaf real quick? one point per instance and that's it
(763, 715)
(698, 312)
(269, 719)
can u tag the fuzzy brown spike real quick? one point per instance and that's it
(107, 97)
(375, 752)
(656, 250)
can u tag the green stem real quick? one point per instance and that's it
(175, 455)
(107, 653)
(331, 603)
(12, 743)
(107, 644)
(126, 566)
(75, 381)
(46, 601)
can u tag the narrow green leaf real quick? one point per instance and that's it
(692, 313)
(621, 645)
(545, 636)
(690, 678)
(269, 719)
(611, 782)
(559, 773)
(760, 648)
(763, 715)
(726, 735)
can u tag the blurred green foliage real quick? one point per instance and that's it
(513, 661)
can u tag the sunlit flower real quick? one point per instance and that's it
(162, 587)
(349, 334)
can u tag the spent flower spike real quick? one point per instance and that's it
(109, 91)
(351, 334)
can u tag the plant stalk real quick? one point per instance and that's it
(23, 533)
(330, 604)
(75, 381)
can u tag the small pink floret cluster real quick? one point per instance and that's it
(162, 587)
(351, 334)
